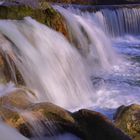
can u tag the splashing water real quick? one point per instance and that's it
(121, 85)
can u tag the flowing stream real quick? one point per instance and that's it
(99, 68)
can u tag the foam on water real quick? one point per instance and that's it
(122, 86)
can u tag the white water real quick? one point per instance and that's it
(54, 63)
(115, 21)
(93, 42)
(48, 63)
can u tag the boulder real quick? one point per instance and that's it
(13, 107)
(127, 118)
(47, 119)
(15, 120)
(96, 126)
(41, 119)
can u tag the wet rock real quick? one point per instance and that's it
(15, 120)
(44, 13)
(53, 118)
(47, 119)
(9, 71)
(95, 126)
(127, 119)
(18, 98)
(41, 119)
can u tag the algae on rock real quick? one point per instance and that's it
(128, 119)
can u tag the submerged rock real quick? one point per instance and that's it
(127, 119)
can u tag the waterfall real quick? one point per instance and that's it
(122, 21)
(48, 64)
(115, 21)
(88, 35)
(59, 71)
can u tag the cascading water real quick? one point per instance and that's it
(122, 21)
(116, 27)
(115, 21)
(41, 58)
(91, 39)
(121, 86)
(54, 69)
(60, 72)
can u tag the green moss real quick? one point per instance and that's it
(15, 118)
(44, 14)
(128, 120)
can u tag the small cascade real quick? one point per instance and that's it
(88, 35)
(122, 21)
(115, 21)
(56, 70)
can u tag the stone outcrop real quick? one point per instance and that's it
(95, 126)
(44, 14)
(127, 118)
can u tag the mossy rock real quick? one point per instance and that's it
(52, 119)
(15, 120)
(44, 14)
(50, 110)
(128, 119)
(57, 118)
